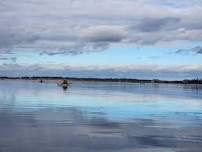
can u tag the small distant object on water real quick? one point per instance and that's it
(41, 81)
(65, 84)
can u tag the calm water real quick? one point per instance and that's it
(101, 117)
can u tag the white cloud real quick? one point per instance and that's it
(90, 25)
(110, 71)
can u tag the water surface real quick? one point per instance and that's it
(103, 117)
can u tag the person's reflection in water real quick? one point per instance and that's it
(64, 88)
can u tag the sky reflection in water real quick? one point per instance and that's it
(102, 117)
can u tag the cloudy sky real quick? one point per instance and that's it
(101, 38)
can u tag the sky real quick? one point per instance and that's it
(110, 38)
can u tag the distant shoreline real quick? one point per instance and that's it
(129, 80)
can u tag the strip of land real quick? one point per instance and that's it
(129, 80)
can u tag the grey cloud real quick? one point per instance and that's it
(157, 24)
(195, 50)
(13, 59)
(73, 49)
(52, 53)
(105, 71)
(85, 26)
(104, 34)
(103, 67)
(88, 39)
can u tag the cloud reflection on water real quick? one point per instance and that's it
(42, 117)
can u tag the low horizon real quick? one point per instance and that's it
(41, 79)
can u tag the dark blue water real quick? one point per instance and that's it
(103, 117)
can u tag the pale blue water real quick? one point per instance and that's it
(103, 117)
